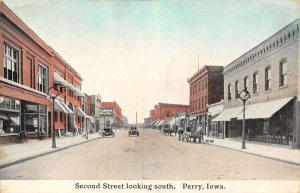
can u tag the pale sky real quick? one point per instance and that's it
(140, 52)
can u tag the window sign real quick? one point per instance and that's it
(35, 122)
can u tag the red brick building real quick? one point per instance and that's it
(206, 87)
(68, 81)
(30, 68)
(117, 110)
(165, 111)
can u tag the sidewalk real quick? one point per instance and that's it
(277, 152)
(15, 153)
(273, 151)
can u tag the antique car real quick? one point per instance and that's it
(108, 132)
(133, 131)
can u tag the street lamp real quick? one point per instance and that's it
(244, 95)
(53, 93)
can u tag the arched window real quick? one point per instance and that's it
(237, 89)
(283, 73)
(229, 92)
(255, 83)
(268, 78)
(246, 82)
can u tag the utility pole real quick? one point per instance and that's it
(136, 119)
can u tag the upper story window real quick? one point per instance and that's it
(11, 63)
(196, 88)
(246, 81)
(42, 79)
(283, 73)
(202, 84)
(229, 92)
(237, 89)
(268, 78)
(255, 83)
(206, 82)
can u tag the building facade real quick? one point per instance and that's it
(96, 101)
(270, 73)
(165, 111)
(26, 76)
(70, 102)
(117, 111)
(206, 87)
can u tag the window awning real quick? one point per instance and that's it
(60, 80)
(264, 110)
(160, 123)
(66, 107)
(228, 114)
(157, 122)
(192, 118)
(81, 113)
(172, 122)
(58, 107)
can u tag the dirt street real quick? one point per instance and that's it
(151, 156)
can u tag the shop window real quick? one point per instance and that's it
(9, 123)
(12, 104)
(11, 63)
(246, 81)
(6, 103)
(229, 92)
(268, 78)
(283, 73)
(255, 83)
(237, 88)
(1, 102)
(42, 79)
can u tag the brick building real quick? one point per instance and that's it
(116, 110)
(270, 72)
(206, 87)
(69, 116)
(165, 111)
(30, 68)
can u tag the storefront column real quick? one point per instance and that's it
(296, 128)
(1, 55)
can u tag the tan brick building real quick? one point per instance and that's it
(270, 72)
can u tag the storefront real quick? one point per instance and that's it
(10, 116)
(34, 119)
(18, 117)
(269, 122)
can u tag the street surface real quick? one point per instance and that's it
(151, 156)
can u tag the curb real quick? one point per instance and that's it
(259, 155)
(17, 161)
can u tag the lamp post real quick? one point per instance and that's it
(244, 95)
(53, 93)
(175, 116)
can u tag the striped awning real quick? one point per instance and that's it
(81, 113)
(58, 107)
